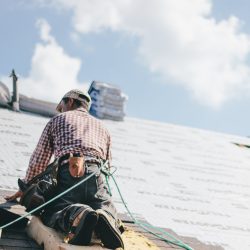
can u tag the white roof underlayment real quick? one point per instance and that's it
(193, 181)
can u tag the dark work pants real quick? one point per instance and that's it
(91, 194)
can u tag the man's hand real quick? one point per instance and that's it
(13, 197)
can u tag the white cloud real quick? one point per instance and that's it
(45, 30)
(178, 39)
(52, 72)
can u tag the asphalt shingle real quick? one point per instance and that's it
(192, 181)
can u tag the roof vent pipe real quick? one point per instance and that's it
(15, 96)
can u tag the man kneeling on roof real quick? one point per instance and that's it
(75, 137)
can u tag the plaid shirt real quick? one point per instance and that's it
(70, 132)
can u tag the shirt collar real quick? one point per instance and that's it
(82, 109)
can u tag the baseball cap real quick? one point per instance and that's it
(77, 95)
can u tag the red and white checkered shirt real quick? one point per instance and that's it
(73, 131)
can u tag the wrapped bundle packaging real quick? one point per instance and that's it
(108, 101)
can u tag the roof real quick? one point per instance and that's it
(192, 181)
(15, 238)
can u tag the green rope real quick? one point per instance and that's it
(107, 182)
(55, 198)
(145, 226)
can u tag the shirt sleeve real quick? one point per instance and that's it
(41, 155)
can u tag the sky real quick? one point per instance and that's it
(184, 62)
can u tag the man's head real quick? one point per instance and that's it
(74, 99)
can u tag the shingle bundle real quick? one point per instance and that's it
(107, 101)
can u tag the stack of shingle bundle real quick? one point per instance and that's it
(107, 101)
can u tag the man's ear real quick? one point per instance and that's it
(59, 107)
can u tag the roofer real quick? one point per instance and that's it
(75, 137)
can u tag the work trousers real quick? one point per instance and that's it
(93, 193)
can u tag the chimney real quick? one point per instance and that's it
(15, 96)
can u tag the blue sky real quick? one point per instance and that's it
(182, 62)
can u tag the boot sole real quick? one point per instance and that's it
(109, 236)
(85, 229)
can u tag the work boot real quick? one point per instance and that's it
(83, 227)
(32, 199)
(108, 231)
